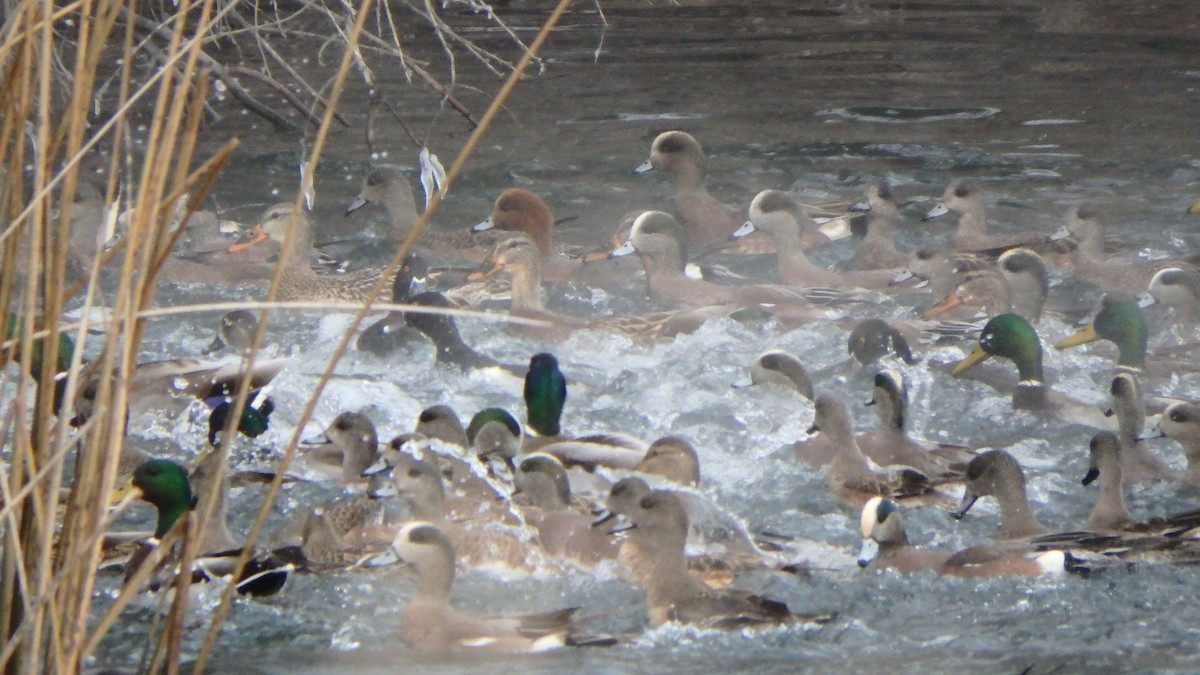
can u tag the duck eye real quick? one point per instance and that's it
(1178, 416)
(414, 472)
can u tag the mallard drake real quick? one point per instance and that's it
(1012, 337)
(964, 197)
(707, 222)
(519, 210)
(431, 624)
(877, 250)
(386, 185)
(1120, 321)
(658, 534)
(165, 484)
(777, 214)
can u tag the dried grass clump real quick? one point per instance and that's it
(62, 97)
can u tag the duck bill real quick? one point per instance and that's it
(388, 557)
(1085, 335)
(936, 212)
(359, 202)
(1090, 477)
(976, 357)
(125, 492)
(624, 250)
(257, 236)
(868, 552)
(1061, 233)
(484, 226)
(968, 500)
(950, 302)
(317, 440)
(1195, 207)
(216, 345)
(643, 167)
(901, 277)
(1144, 300)
(379, 466)
(746, 229)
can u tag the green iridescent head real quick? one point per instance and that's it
(1012, 337)
(545, 394)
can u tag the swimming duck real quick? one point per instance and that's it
(891, 443)
(1028, 282)
(351, 442)
(673, 458)
(707, 222)
(392, 331)
(996, 473)
(1012, 337)
(442, 330)
(1104, 462)
(386, 185)
(851, 477)
(1177, 288)
(778, 367)
(872, 339)
(777, 214)
(964, 197)
(1120, 321)
(956, 281)
(885, 543)
(563, 532)
(236, 330)
(431, 624)
(299, 281)
(519, 257)
(658, 533)
(1138, 464)
(877, 250)
(519, 210)
(1180, 422)
(165, 484)
(659, 242)
(1124, 275)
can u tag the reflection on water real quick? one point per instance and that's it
(1048, 103)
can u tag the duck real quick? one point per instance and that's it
(519, 258)
(298, 281)
(956, 281)
(891, 444)
(964, 197)
(519, 210)
(1138, 463)
(874, 338)
(386, 185)
(350, 442)
(1120, 321)
(1028, 281)
(430, 623)
(1180, 422)
(165, 485)
(885, 544)
(392, 332)
(1115, 273)
(658, 532)
(707, 222)
(851, 477)
(778, 367)
(541, 480)
(480, 540)
(877, 250)
(1012, 337)
(236, 330)
(777, 214)
(658, 240)
(1176, 288)
(998, 474)
(1110, 511)
(672, 458)
(449, 348)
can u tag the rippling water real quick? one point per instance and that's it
(1079, 100)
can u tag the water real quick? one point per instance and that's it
(1080, 100)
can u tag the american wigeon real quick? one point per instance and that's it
(1138, 463)
(351, 442)
(672, 458)
(967, 286)
(777, 214)
(778, 367)
(996, 473)
(431, 624)
(964, 198)
(1177, 288)
(1113, 273)
(659, 533)
(1180, 422)
(877, 250)
(563, 532)
(1104, 462)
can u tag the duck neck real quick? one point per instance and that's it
(972, 222)
(1017, 518)
(435, 581)
(428, 502)
(1110, 510)
(168, 513)
(891, 413)
(527, 289)
(1192, 475)
(687, 177)
(667, 576)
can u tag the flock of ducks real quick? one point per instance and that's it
(493, 492)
